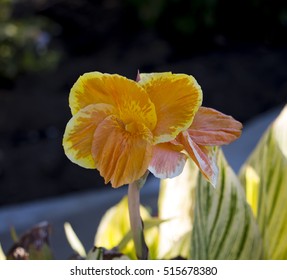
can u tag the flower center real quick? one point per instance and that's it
(135, 129)
(131, 127)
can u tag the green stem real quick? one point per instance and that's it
(135, 218)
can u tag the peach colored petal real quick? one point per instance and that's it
(79, 133)
(213, 128)
(167, 161)
(126, 95)
(121, 155)
(176, 97)
(204, 157)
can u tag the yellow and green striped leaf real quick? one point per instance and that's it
(224, 227)
(114, 230)
(264, 176)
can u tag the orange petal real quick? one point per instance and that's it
(126, 95)
(213, 128)
(204, 157)
(176, 97)
(167, 161)
(121, 156)
(79, 133)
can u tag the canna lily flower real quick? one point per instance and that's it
(124, 128)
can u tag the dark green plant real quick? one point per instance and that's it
(203, 23)
(25, 42)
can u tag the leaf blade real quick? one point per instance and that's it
(224, 226)
(74, 241)
(114, 230)
(269, 162)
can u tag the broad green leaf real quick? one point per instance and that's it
(114, 230)
(224, 226)
(2, 255)
(268, 163)
(74, 241)
(176, 204)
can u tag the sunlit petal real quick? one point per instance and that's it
(204, 157)
(79, 133)
(120, 155)
(123, 127)
(126, 95)
(176, 97)
(167, 161)
(90, 88)
(213, 128)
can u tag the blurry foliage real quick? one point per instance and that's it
(25, 42)
(197, 23)
(184, 16)
(27, 28)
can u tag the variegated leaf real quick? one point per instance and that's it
(264, 176)
(224, 226)
(114, 230)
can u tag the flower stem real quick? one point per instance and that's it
(135, 218)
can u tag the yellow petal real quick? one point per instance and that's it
(79, 133)
(176, 97)
(167, 161)
(90, 88)
(213, 128)
(126, 95)
(121, 156)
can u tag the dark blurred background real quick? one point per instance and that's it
(237, 50)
